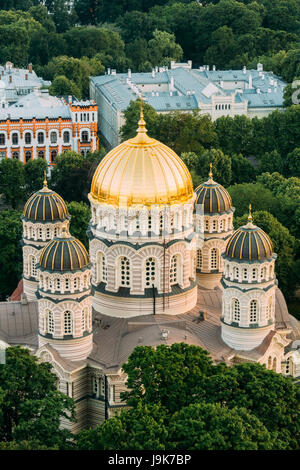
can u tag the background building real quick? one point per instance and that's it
(16, 82)
(43, 126)
(214, 92)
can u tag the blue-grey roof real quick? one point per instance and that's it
(37, 105)
(191, 88)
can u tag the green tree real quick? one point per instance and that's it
(260, 197)
(61, 85)
(41, 14)
(207, 426)
(32, 405)
(132, 116)
(223, 49)
(141, 428)
(12, 180)
(163, 48)
(11, 251)
(242, 170)
(80, 218)
(34, 172)
(221, 166)
(167, 375)
(292, 163)
(271, 162)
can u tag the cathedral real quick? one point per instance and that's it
(165, 265)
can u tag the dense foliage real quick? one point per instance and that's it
(31, 407)
(179, 400)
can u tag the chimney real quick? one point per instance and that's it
(108, 71)
(244, 69)
(250, 81)
(129, 73)
(214, 68)
(207, 68)
(10, 79)
(260, 67)
(30, 68)
(153, 73)
(26, 76)
(70, 99)
(269, 90)
(258, 91)
(172, 87)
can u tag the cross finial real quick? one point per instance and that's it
(45, 180)
(142, 124)
(250, 215)
(210, 174)
(142, 111)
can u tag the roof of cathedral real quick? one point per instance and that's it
(213, 196)
(115, 338)
(45, 206)
(64, 253)
(142, 171)
(250, 243)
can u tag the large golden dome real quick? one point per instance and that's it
(142, 171)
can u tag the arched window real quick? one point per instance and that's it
(214, 258)
(28, 156)
(41, 138)
(150, 272)
(53, 137)
(41, 154)
(68, 323)
(206, 225)
(27, 138)
(214, 225)
(53, 155)
(269, 362)
(236, 310)
(32, 266)
(48, 233)
(2, 139)
(58, 284)
(161, 222)
(274, 367)
(175, 270)
(67, 284)
(85, 319)
(245, 274)
(253, 311)
(50, 321)
(14, 138)
(84, 136)
(288, 366)
(15, 154)
(236, 273)
(221, 225)
(66, 137)
(76, 283)
(263, 273)
(271, 272)
(269, 308)
(40, 232)
(101, 267)
(55, 231)
(254, 274)
(124, 272)
(199, 259)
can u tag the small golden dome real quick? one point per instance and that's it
(141, 171)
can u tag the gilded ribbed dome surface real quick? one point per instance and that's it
(249, 243)
(142, 171)
(45, 206)
(213, 196)
(64, 253)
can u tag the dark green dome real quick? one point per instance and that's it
(249, 243)
(45, 206)
(215, 198)
(64, 253)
